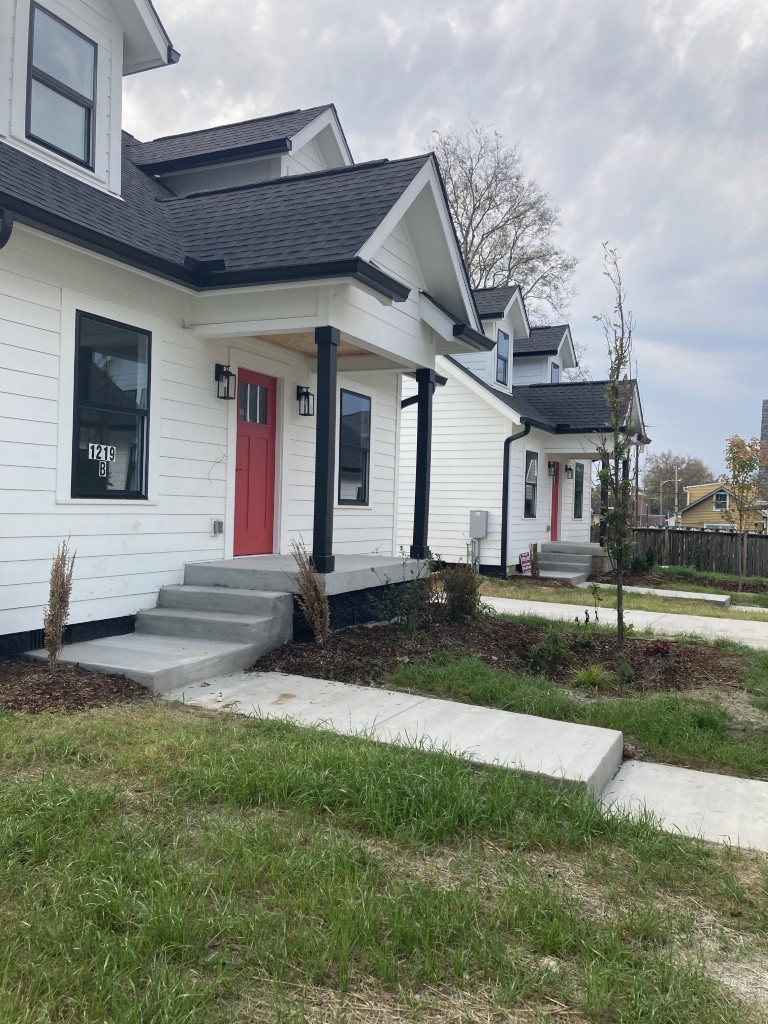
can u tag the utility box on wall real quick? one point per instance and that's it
(478, 524)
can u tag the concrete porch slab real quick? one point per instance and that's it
(278, 572)
(579, 755)
(719, 808)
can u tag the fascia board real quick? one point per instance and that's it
(426, 178)
(440, 322)
(139, 16)
(326, 119)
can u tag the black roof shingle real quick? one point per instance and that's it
(491, 302)
(224, 142)
(544, 341)
(569, 408)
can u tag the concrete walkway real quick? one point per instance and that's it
(752, 634)
(562, 751)
(715, 807)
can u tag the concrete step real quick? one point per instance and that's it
(564, 558)
(225, 599)
(576, 579)
(161, 663)
(227, 627)
(571, 548)
(240, 574)
(572, 567)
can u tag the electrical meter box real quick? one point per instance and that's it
(478, 524)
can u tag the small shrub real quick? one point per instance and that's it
(638, 564)
(550, 652)
(461, 589)
(650, 558)
(624, 671)
(57, 610)
(694, 561)
(312, 598)
(594, 677)
(408, 603)
(658, 648)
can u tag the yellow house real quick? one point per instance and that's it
(708, 507)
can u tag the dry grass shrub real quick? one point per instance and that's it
(312, 598)
(57, 610)
(461, 590)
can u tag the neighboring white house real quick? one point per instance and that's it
(140, 282)
(507, 412)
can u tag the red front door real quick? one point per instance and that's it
(554, 527)
(255, 463)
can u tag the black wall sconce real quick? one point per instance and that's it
(226, 382)
(569, 471)
(306, 401)
(551, 468)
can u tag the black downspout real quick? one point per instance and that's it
(505, 494)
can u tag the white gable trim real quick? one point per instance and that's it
(327, 119)
(146, 44)
(427, 178)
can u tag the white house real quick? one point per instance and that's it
(144, 284)
(511, 440)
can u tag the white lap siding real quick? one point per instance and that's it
(127, 550)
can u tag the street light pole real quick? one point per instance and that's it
(672, 480)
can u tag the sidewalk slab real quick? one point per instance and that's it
(580, 755)
(750, 633)
(720, 600)
(719, 808)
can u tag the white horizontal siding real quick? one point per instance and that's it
(530, 370)
(306, 160)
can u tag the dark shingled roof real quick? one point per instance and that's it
(571, 408)
(308, 218)
(544, 341)
(284, 229)
(491, 302)
(224, 142)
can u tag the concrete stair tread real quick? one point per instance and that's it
(197, 615)
(196, 588)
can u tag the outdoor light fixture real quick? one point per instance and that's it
(551, 467)
(225, 382)
(569, 471)
(306, 401)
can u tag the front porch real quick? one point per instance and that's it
(278, 573)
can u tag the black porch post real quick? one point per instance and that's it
(327, 341)
(426, 382)
(603, 504)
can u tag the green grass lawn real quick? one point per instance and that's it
(675, 728)
(164, 866)
(520, 589)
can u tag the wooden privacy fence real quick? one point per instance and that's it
(704, 549)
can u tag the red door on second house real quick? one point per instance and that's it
(554, 526)
(255, 463)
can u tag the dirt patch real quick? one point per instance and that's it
(367, 654)
(26, 685)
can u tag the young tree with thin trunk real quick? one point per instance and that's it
(746, 462)
(616, 444)
(506, 223)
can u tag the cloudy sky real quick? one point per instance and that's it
(646, 121)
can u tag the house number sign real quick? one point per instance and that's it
(101, 452)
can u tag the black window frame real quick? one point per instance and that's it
(529, 458)
(578, 491)
(365, 500)
(720, 507)
(142, 493)
(36, 75)
(502, 360)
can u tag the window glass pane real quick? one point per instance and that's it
(111, 410)
(578, 492)
(531, 472)
(354, 448)
(114, 366)
(63, 54)
(554, 376)
(258, 404)
(531, 467)
(60, 122)
(125, 433)
(242, 401)
(502, 357)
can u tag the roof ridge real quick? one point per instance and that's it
(234, 124)
(266, 183)
(496, 288)
(551, 327)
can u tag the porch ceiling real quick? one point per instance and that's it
(303, 342)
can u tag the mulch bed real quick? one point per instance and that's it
(26, 685)
(662, 581)
(366, 654)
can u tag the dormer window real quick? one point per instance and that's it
(554, 373)
(502, 358)
(61, 77)
(720, 501)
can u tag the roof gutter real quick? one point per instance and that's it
(505, 491)
(225, 156)
(472, 337)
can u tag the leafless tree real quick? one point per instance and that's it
(505, 221)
